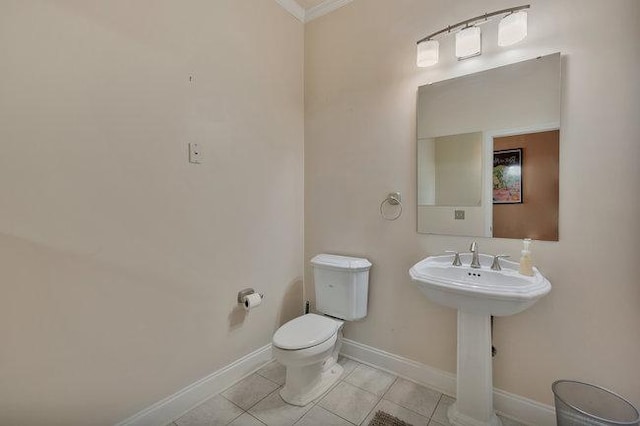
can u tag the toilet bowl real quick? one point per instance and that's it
(308, 346)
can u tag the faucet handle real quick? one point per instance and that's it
(456, 258)
(495, 266)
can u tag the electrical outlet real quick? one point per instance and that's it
(458, 214)
(195, 153)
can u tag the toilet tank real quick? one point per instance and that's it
(342, 285)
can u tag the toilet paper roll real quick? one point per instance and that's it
(251, 301)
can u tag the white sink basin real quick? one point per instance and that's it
(477, 294)
(480, 291)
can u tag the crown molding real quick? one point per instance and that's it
(293, 8)
(312, 13)
(323, 8)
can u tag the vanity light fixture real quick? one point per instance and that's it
(428, 53)
(512, 29)
(468, 42)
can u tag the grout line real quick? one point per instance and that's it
(264, 397)
(302, 416)
(272, 381)
(362, 389)
(328, 411)
(371, 410)
(173, 423)
(384, 370)
(350, 373)
(255, 418)
(253, 405)
(220, 394)
(336, 414)
(265, 377)
(436, 407)
(379, 398)
(414, 411)
(389, 388)
(366, 390)
(234, 419)
(429, 417)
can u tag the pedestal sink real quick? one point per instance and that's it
(477, 294)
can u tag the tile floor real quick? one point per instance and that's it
(361, 391)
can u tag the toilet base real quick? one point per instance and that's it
(304, 384)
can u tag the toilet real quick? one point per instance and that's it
(308, 346)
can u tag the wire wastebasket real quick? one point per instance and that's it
(582, 404)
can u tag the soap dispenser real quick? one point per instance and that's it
(526, 263)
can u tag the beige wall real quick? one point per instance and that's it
(360, 143)
(119, 261)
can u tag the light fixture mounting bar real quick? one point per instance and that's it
(484, 17)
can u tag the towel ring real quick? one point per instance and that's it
(393, 199)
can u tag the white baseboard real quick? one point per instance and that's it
(526, 410)
(165, 411)
(517, 407)
(420, 373)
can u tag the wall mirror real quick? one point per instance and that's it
(488, 152)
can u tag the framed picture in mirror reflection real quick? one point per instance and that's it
(507, 176)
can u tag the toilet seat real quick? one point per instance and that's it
(306, 331)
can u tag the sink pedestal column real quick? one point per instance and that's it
(474, 398)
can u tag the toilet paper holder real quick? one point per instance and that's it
(245, 292)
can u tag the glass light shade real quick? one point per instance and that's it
(468, 42)
(512, 28)
(428, 53)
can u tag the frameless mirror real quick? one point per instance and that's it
(488, 152)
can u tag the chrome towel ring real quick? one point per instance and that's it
(393, 199)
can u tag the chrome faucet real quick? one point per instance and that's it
(495, 266)
(456, 258)
(475, 261)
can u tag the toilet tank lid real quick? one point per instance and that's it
(335, 261)
(305, 331)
